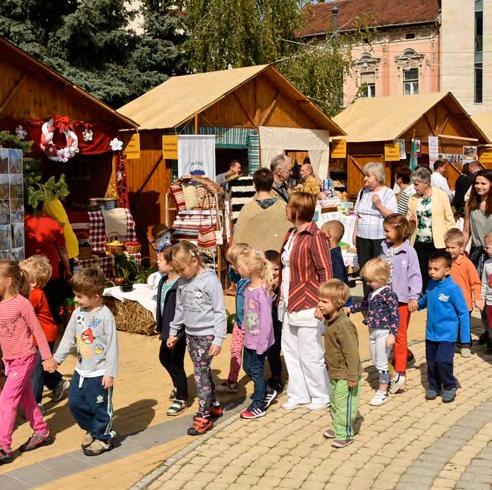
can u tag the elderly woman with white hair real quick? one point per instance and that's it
(374, 202)
(430, 211)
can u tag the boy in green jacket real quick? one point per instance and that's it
(342, 360)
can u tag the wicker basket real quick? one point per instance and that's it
(133, 249)
(114, 249)
(131, 316)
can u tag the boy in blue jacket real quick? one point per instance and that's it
(447, 313)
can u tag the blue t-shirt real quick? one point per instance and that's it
(241, 285)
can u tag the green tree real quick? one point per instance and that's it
(238, 32)
(90, 43)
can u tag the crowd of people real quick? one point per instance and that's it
(292, 298)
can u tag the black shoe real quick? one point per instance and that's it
(410, 360)
(276, 385)
(483, 339)
(6, 456)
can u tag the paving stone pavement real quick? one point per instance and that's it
(407, 443)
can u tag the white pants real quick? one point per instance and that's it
(379, 352)
(304, 357)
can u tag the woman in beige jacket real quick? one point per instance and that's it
(429, 210)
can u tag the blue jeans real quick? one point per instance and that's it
(440, 357)
(42, 378)
(253, 365)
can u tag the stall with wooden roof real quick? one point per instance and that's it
(484, 120)
(382, 129)
(234, 105)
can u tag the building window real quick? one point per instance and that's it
(410, 35)
(411, 81)
(478, 88)
(368, 84)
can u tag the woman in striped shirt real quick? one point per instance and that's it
(305, 264)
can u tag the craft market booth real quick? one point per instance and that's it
(74, 134)
(206, 120)
(484, 120)
(403, 130)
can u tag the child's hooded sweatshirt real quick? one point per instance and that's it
(446, 309)
(200, 307)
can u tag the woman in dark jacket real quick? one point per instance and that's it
(171, 358)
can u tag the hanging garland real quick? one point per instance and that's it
(54, 152)
(121, 180)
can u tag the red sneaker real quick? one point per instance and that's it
(200, 426)
(216, 411)
(252, 413)
(37, 440)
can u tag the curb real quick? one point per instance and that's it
(147, 480)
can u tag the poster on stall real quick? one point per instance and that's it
(403, 153)
(470, 153)
(196, 155)
(433, 150)
(392, 152)
(11, 205)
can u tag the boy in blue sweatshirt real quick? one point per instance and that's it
(447, 313)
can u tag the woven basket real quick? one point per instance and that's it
(133, 249)
(131, 316)
(114, 249)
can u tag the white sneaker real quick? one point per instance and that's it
(379, 398)
(60, 390)
(292, 405)
(318, 405)
(397, 384)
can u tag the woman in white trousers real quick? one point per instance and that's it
(305, 264)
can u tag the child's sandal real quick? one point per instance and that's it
(176, 408)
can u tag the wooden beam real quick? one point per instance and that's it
(432, 130)
(196, 123)
(270, 109)
(443, 126)
(13, 90)
(246, 113)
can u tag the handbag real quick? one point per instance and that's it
(206, 233)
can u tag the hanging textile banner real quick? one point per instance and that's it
(170, 147)
(433, 150)
(392, 152)
(196, 155)
(132, 150)
(339, 149)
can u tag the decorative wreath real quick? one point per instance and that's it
(54, 152)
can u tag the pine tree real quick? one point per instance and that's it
(89, 42)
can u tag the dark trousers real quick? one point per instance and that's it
(253, 365)
(440, 358)
(273, 353)
(424, 251)
(173, 362)
(92, 406)
(42, 378)
(55, 293)
(367, 249)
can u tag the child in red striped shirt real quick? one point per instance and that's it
(20, 331)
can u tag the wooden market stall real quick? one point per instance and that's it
(238, 106)
(31, 94)
(484, 120)
(375, 125)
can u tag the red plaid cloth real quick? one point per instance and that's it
(97, 231)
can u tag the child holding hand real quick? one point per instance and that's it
(406, 282)
(382, 318)
(342, 359)
(258, 328)
(20, 331)
(230, 384)
(172, 359)
(38, 269)
(200, 310)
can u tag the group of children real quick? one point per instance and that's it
(191, 314)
